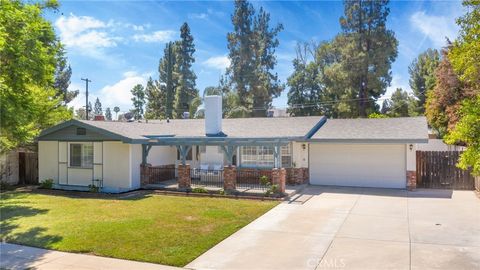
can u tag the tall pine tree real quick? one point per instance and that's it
(185, 91)
(370, 51)
(155, 99)
(168, 78)
(97, 109)
(108, 114)
(422, 76)
(138, 100)
(63, 73)
(252, 58)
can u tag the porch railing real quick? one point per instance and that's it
(206, 178)
(162, 173)
(252, 178)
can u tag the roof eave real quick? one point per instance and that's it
(370, 141)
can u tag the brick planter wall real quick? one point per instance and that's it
(297, 176)
(184, 180)
(279, 176)
(411, 180)
(229, 178)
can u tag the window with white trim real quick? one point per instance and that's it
(257, 156)
(81, 155)
(286, 156)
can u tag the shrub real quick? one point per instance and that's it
(93, 188)
(199, 190)
(4, 186)
(46, 184)
(264, 180)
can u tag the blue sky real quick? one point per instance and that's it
(117, 44)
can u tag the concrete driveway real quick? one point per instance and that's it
(357, 228)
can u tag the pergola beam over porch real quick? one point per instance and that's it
(228, 145)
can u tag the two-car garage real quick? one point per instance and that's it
(362, 165)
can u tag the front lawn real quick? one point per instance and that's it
(152, 228)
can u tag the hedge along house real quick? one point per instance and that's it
(122, 156)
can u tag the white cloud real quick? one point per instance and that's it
(157, 36)
(435, 28)
(200, 16)
(117, 94)
(217, 62)
(85, 33)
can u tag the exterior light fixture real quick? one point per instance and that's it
(304, 146)
(411, 147)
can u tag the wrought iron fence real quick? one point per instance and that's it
(206, 178)
(253, 179)
(162, 173)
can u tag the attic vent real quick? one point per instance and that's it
(81, 131)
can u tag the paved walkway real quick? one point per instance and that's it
(357, 228)
(22, 257)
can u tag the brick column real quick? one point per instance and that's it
(279, 176)
(411, 180)
(229, 177)
(145, 174)
(184, 180)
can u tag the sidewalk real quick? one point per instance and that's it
(22, 257)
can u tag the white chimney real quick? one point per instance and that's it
(213, 115)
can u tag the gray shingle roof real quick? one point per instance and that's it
(233, 128)
(383, 129)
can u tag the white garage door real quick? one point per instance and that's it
(360, 165)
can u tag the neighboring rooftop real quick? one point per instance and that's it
(378, 129)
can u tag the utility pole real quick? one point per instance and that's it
(86, 95)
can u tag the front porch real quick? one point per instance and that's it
(212, 164)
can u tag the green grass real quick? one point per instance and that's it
(152, 228)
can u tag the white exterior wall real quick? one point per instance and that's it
(135, 162)
(48, 160)
(162, 155)
(117, 169)
(411, 157)
(213, 156)
(300, 155)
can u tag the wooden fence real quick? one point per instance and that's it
(437, 169)
(28, 167)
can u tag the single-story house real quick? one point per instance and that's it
(343, 152)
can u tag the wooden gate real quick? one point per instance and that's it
(437, 169)
(28, 168)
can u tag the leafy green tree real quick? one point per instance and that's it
(444, 101)
(252, 58)
(63, 73)
(369, 51)
(422, 77)
(116, 109)
(377, 115)
(304, 92)
(465, 52)
(138, 100)
(386, 107)
(467, 131)
(29, 52)
(168, 78)
(185, 91)
(108, 114)
(80, 113)
(97, 109)
(400, 104)
(155, 98)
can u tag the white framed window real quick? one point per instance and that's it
(81, 155)
(257, 156)
(286, 156)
